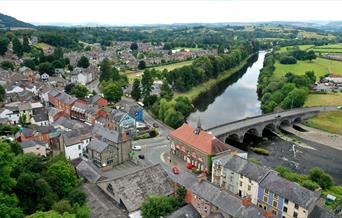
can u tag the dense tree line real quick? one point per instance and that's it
(282, 93)
(59, 38)
(29, 184)
(207, 67)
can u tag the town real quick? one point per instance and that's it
(170, 121)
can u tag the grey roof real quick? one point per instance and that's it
(45, 129)
(53, 111)
(66, 99)
(101, 132)
(320, 212)
(24, 106)
(95, 98)
(75, 136)
(290, 190)
(29, 144)
(27, 132)
(69, 123)
(86, 171)
(54, 92)
(41, 117)
(188, 211)
(132, 189)
(133, 109)
(225, 201)
(245, 168)
(97, 145)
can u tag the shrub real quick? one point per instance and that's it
(288, 60)
(310, 185)
(196, 171)
(154, 132)
(261, 151)
(320, 177)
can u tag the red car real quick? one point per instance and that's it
(175, 170)
(189, 166)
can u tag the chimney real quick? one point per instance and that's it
(199, 127)
(246, 201)
(201, 177)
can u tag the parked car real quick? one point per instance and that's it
(155, 125)
(136, 148)
(141, 156)
(189, 166)
(175, 170)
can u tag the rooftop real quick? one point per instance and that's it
(188, 211)
(203, 141)
(132, 189)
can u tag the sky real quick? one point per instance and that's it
(130, 12)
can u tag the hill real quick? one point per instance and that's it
(11, 22)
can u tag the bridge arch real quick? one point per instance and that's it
(297, 120)
(234, 137)
(268, 127)
(285, 122)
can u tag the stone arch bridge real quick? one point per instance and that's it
(256, 125)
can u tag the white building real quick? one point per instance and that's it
(75, 143)
(12, 113)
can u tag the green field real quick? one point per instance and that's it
(330, 121)
(301, 47)
(331, 99)
(320, 66)
(138, 73)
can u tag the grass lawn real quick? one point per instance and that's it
(331, 99)
(43, 45)
(330, 121)
(327, 50)
(301, 47)
(206, 86)
(138, 73)
(320, 66)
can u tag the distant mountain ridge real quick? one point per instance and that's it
(10, 22)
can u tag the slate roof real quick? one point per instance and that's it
(100, 132)
(203, 141)
(188, 211)
(290, 190)
(75, 136)
(53, 111)
(69, 123)
(97, 145)
(133, 188)
(246, 168)
(66, 99)
(95, 98)
(29, 144)
(225, 201)
(41, 117)
(54, 92)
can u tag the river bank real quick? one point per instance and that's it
(195, 92)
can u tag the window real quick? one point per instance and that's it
(265, 198)
(296, 206)
(295, 215)
(110, 189)
(250, 181)
(231, 179)
(286, 201)
(240, 183)
(285, 209)
(275, 204)
(79, 147)
(249, 187)
(275, 196)
(275, 212)
(304, 211)
(266, 191)
(241, 176)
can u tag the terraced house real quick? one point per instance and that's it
(267, 190)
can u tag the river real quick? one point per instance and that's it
(233, 99)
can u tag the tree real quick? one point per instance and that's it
(68, 88)
(174, 118)
(58, 64)
(7, 65)
(107, 72)
(8, 206)
(288, 60)
(183, 105)
(136, 92)
(50, 214)
(311, 75)
(46, 67)
(2, 93)
(134, 46)
(295, 98)
(158, 206)
(62, 206)
(146, 82)
(76, 196)
(62, 178)
(23, 119)
(321, 178)
(83, 62)
(311, 55)
(29, 63)
(3, 45)
(150, 100)
(165, 91)
(80, 91)
(6, 167)
(141, 65)
(112, 92)
(17, 47)
(180, 193)
(26, 46)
